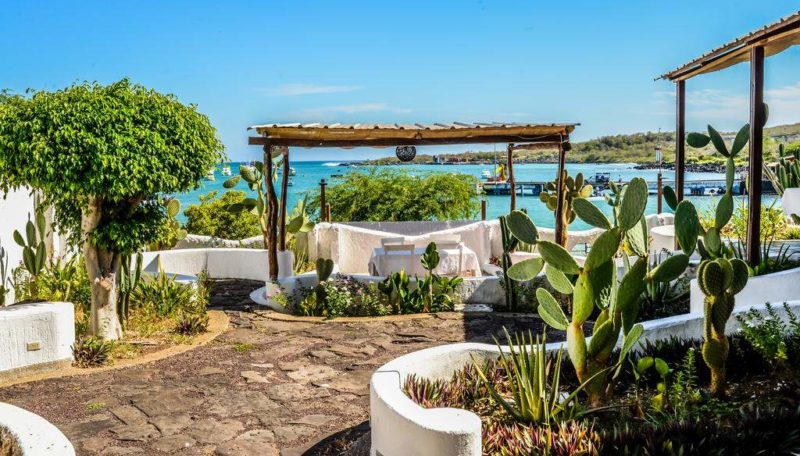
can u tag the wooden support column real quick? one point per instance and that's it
(483, 209)
(757, 117)
(659, 191)
(322, 205)
(680, 137)
(272, 214)
(284, 194)
(511, 182)
(561, 223)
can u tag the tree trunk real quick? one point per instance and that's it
(102, 267)
(272, 216)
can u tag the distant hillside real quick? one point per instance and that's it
(633, 148)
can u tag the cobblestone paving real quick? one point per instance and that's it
(264, 387)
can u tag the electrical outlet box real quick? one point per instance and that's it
(33, 346)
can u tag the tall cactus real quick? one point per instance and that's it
(720, 275)
(596, 285)
(786, 173)
(34, 251)
(509, 243)
(3, 275)
(573, 188)
(128, 281)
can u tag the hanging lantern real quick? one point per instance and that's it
(405, 153)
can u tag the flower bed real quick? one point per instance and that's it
(410, 415)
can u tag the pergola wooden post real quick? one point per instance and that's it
(284, 195)
(680, 137)
(756, 154)
(272, 214)
(752, 47)
(561, 223)
(511, 182)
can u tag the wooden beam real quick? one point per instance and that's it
(756, 155)
(546, 141)
(284, 193)
(511, 182)
(561, 228)
(680, 137)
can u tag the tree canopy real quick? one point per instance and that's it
(397, 195)
(212, 218)
(120, 144)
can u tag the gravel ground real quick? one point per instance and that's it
(264, 387)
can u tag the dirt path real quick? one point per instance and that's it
(265, 387)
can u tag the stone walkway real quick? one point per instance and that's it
(264, 387)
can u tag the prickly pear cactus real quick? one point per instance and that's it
(573, 188)
(595, 285)
(786, 173)
(719, 275)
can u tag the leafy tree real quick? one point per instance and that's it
(101, 155)
(212, 218)
(396, 195)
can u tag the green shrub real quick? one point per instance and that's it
(90, 352)
(397, 195)
(768, 334)
(343, 297)
(165, 296)
(211, 218)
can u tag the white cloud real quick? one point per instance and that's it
(298, 89)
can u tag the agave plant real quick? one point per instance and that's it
(595, 286)
(534, 381)
(573, 188)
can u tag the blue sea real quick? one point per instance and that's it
(309, 174)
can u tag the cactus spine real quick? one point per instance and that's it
(596, 285)
(719, 275)
(573, 188)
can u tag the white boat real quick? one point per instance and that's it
(226, 170)
(211, 175)
(292, 171)
(486, 174)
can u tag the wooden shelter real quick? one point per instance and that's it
(752, 47)
(278, 138)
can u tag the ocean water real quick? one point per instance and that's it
(309, 174)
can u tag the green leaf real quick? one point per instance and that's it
(741, 139)
(30, 233)
(558, 280)
(712, 240)
(590, 213)
(644, 363)
(550, 311)
(630, 340)
(724, 211)
(173, 207)
(525, 270)
(633, 203)
(661, 367)
(637, 238)
(670, 197)
(41, 256)
(558, 257)
(247, 174)
(718, 142)
(522, 227)
(18, 239)
(630, 289)
(602, 337)
(670, 269)
(583, 298)
(604, 248)
(697, 140)
(687, 226)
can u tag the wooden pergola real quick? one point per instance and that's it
(752, 47)
(278, 138)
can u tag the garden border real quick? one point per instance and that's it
(218, 323)
(400, 426)
(34, 435)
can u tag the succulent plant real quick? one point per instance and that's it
(720, 275)
(128, 281)
(573, 188)
(192, 324)
(324, 271)
(509, 243)
(3, 275)
(174, 232)
(34, 251)
(595, 284)
(90, 352)
(786, 173)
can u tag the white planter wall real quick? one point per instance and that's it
(400, 427)
(35, 435)
(791, 201)
(35, 334)
(218, 263)
(775, 288)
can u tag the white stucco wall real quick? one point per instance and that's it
(218, 263)
(775, 288)
(14, 210)
(51, 325)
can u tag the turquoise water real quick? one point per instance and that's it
(309, 173)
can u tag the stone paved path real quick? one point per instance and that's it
(264, 387)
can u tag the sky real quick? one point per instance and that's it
(245, 63)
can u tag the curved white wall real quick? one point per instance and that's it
(218, 263)
(35, 435)
(775, 288)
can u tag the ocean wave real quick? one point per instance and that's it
(330, 164)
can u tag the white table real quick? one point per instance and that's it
(382, 263)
